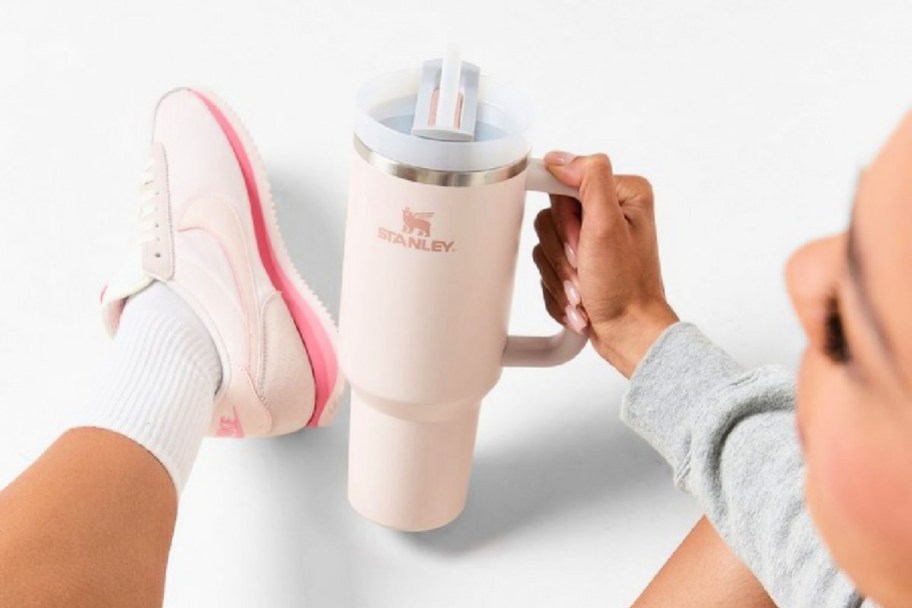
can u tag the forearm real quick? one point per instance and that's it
(704, 573)
(729, 436)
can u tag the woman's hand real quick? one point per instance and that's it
(599, 259)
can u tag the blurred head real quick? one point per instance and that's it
(853, 295)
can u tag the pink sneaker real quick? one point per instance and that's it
(209, 232)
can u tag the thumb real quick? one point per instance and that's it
(594, 178)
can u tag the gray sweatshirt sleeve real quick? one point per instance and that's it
(729, 435)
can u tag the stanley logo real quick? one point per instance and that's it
(416, 233)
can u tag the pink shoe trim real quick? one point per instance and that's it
(316, 342)
(230, 427)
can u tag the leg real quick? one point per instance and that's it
(90, 522)
(703, 572)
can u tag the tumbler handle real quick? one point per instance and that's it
(544, 351)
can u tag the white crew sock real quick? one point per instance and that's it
(160, 380)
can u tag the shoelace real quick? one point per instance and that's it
(148, 205)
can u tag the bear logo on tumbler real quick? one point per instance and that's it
(420, 221)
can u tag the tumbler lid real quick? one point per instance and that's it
(444, 116)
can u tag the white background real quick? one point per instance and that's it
(752, 120)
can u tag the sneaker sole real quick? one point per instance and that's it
(311, 317)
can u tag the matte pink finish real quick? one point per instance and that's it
(426, 290)
(410, 475)
(421, 326)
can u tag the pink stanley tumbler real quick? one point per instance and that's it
(440, 173)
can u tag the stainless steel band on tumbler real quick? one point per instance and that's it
(436, 177)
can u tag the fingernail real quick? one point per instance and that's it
(572, 294)
(571, 255)
(577, 323)
(559, 158)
